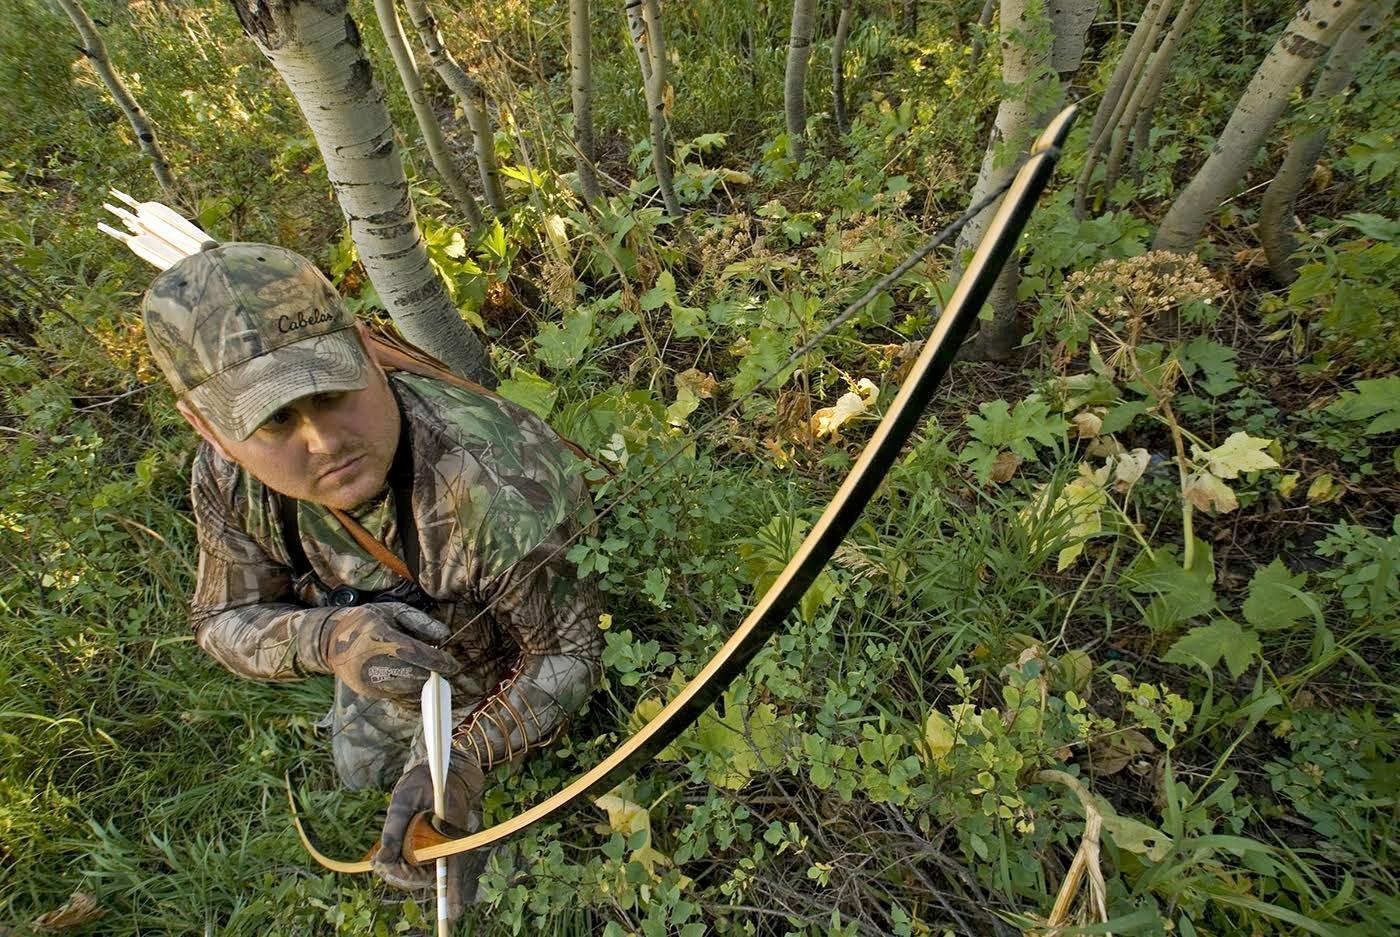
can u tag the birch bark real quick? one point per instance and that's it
(388, 16)
(1276, 209)
(581, 93)
(471, 96)
(315, 47)
(1310, 33)
(96, 51)
(795, 77)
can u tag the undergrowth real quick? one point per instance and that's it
(1132, 600)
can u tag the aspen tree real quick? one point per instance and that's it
(96, 51)
(388, 15)
(469, 94)
(795, 76)
(644, 25)
(1311, 32)
(315, 46)
(1027, 60)
(1276, 209)
(581, 94)
(838, 71)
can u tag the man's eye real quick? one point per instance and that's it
(327, 398)
(278, 419)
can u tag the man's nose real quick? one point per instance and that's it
(321, 436)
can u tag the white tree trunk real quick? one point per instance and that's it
(795, 79)
(581, 91)
(1276, 209)
(838, 69)
(96, 51)
(446, 166)
(1310, 33)
(315, 47)
(651, 52)
(1137, 115)
(1126, 74)
(1024, 58)
(471, 96)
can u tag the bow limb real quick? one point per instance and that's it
(939, 352)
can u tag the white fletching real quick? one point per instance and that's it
(437, 733)
(159, 235)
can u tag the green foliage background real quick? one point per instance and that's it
(919, 751)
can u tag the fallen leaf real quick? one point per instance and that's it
(78, 910)
(1004, 466)
(1209, 494)
(699, 383)
(1118, 750)
(1088, 423)
(828, 420)
(1128, 468)
(1323, 488)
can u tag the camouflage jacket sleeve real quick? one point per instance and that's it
(243, 611)
(553, 617)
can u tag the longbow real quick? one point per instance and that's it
(425, 844)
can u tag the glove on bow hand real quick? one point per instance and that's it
(413, 795)
(375, 649)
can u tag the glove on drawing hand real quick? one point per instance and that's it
(376, 650)
(413, 795)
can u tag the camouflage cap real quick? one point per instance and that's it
(241, 330)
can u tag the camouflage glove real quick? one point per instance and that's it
(413, 795)
(375, 649)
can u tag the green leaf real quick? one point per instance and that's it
(562, 346)
(1207, 645)
(1273, 602)
(1001, 427)
(1376, 400)
(1240, 453)
(1121, 417)
(530, 391)
(1211, 364)
(1179, 594)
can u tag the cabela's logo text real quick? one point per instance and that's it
(288, 324)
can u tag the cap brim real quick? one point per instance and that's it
(237, 401)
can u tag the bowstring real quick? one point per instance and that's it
(801, 351)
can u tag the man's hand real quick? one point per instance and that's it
(375, 649)
(413, 795)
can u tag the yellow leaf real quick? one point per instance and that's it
(828, 420)
(1209, 494)
(78, 910)
(1241, 452)
(938, 735)
(1323, 488)
(1128, 468)
(735, 177)
(1088, 423)
(1286, 484)
(604, 621)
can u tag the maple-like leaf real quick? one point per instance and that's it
(1239, 453)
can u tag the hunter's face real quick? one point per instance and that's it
(331, 448)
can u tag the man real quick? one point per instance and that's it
(319, 475)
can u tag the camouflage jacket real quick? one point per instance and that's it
(495, 492)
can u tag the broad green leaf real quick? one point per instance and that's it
(563, 346)
(530, 391)
(1119, 417)
(1377, 400)
(1134, 835)
(1179, 594)
(1209, 644)
(1210, 365)
(1239, 453)
(1001, 427)
(1273, 601)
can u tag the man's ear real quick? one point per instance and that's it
(202, 427)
